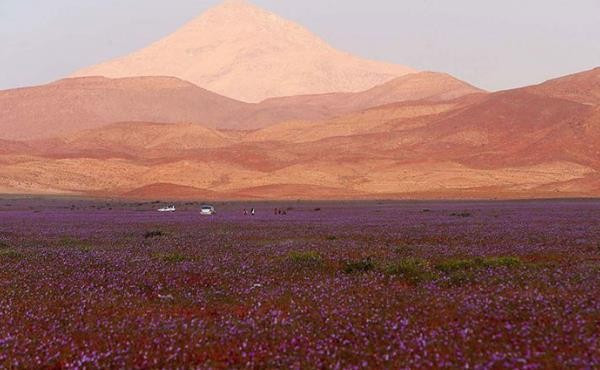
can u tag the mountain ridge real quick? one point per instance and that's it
(74, 104)
(519, 143)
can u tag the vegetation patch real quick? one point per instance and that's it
(461, 214)
(10, 254)
(151, 234)
(460, 277)
(415, 270)
(305, 259)
(173, 257)
(404, 249)
(506, 261)
(359, 266)
(454, 265)
(71, 242)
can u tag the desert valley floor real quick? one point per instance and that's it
(89, 283)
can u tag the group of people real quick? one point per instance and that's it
(276, 211)
(279, 211)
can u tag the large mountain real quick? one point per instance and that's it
(538, 141)
(243, 52)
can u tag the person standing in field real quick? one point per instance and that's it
(252, 212)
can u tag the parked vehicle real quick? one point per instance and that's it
(208, 210)
(167, 209)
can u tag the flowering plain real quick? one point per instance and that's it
(335, 285)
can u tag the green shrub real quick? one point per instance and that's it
(413, 269)
(404, 249)
(460, 277)
(67, 241)
(359, 266)
(10, 254)
(173, 257)
(70, 242)
(305, 259)
(502, 262)
(453, 265)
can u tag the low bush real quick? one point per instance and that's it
(10, 254)
(305, 259)
(359, 266)
(453, 265)
(71, 242)
(502, 261)
(460, 277)
(413, 269)
(461, 214)
(404, 249)
(153, 234)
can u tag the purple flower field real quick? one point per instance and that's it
(329, 285)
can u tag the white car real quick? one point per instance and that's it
(167, 209)
(208, 211)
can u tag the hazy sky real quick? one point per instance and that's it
(494, 44)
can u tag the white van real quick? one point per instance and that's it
(207, 211)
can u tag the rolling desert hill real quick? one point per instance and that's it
(581, 87)
(383, 118)
(557, 120)
(515, 127)
(246, 53)
(177, 191)
(71, 105)
(75, 104)
(517, 143)
(429, 86)
(140, 140)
